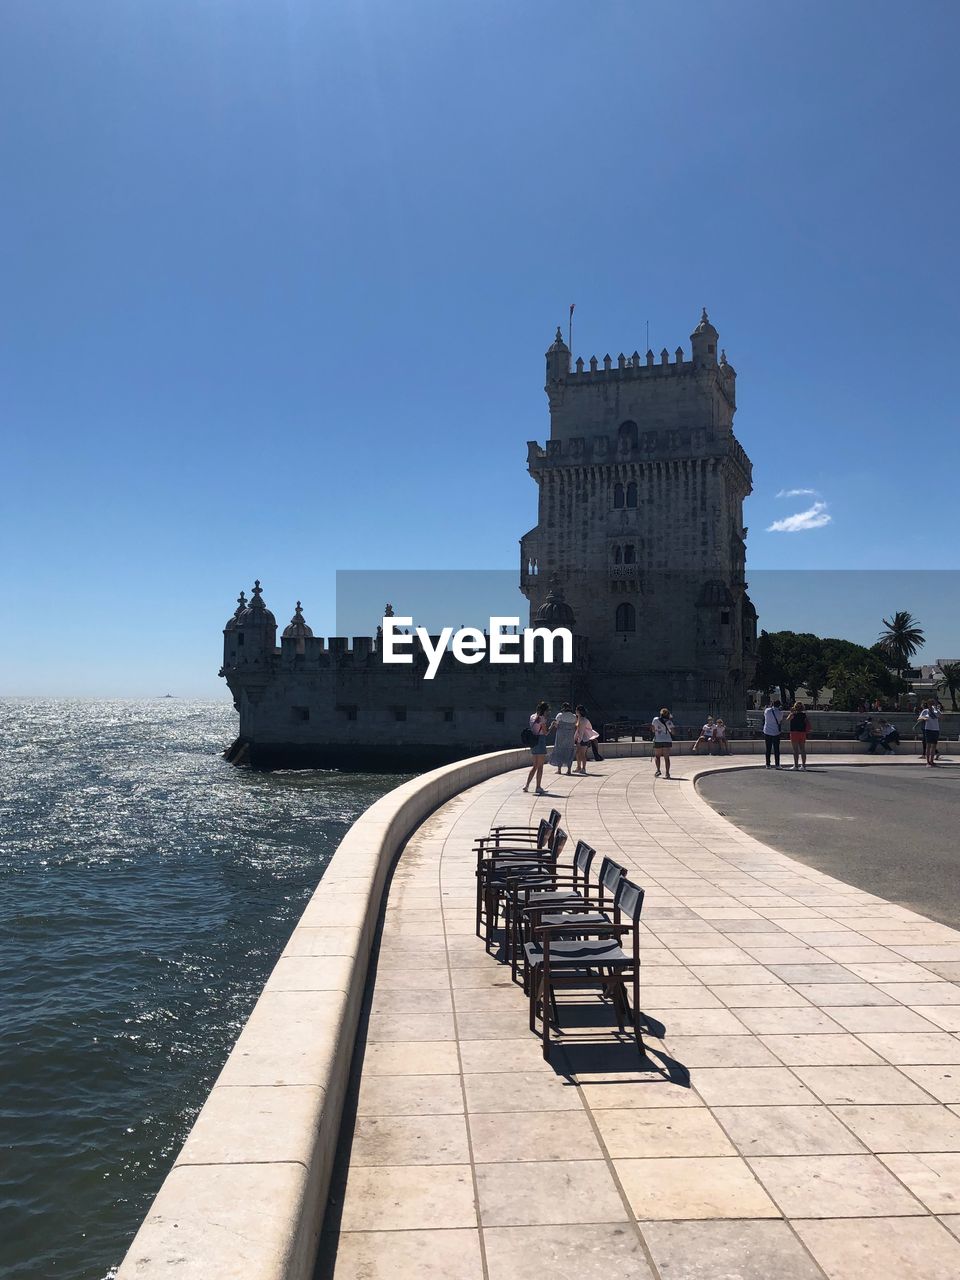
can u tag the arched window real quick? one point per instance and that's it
(628, 435)
(629, 554)
(618, 555)
(618, 495)
(626, 617)
(631, 494)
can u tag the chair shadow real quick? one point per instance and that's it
(616, 1061)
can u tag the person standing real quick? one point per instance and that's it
(936, 706)
(931, 733)
(772, 725)
(922, 726)
(663, 730)
(799, 728)
(563, 747)
(584, 737)
(539, 727)
(707, 735)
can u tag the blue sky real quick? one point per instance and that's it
(278, 278)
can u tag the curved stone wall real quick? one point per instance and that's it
(246, 1194)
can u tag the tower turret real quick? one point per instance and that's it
(558, 360)
(230, 633)
(297, 629)
(704, 339)
(256, 631)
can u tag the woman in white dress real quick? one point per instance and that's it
(566, 726)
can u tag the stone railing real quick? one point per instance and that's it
(246, 1195)
(755, 746)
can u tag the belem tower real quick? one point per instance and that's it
(639, 548)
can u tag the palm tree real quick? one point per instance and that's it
(901, 639)
(951, 679)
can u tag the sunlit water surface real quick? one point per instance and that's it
(146, 890)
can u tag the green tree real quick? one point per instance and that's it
(901, 639)
(951, 681)
(816, 678)
(788, 660)
(851, 685)
(785, 658)
(767, 672)
(855, 657)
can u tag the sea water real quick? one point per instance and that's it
(146, 890)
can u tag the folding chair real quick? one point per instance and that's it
(519, 835)
(545, 834)
(495, 869)
(588, 908)
(532, 897)
(608, 960)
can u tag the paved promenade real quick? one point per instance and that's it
(797, 1117)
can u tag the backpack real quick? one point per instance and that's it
(527, 737)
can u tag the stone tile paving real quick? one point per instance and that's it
(799, 1117)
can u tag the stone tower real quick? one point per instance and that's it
(641, 489)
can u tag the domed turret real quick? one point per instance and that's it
(256, 614)
(555, 612)
(252, 639)
(558, 359)
(704, 339)
(297, 630)
(241, 605)
(297, 627)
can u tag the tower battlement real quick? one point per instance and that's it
(642, 401)
(634, 366)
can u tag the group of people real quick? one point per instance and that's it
(879, 734)
(713, 734)
(882, 735)
(798, 726)
(575, 737)
(663, 734)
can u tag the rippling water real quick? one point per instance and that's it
(146, 890)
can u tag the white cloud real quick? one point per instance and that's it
(814, 517)
(797, 493)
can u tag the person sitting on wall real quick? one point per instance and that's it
(874, 736)
(890, 735)
(707, 736)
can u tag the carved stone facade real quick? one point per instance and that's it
(642, 483)
(639, 547)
